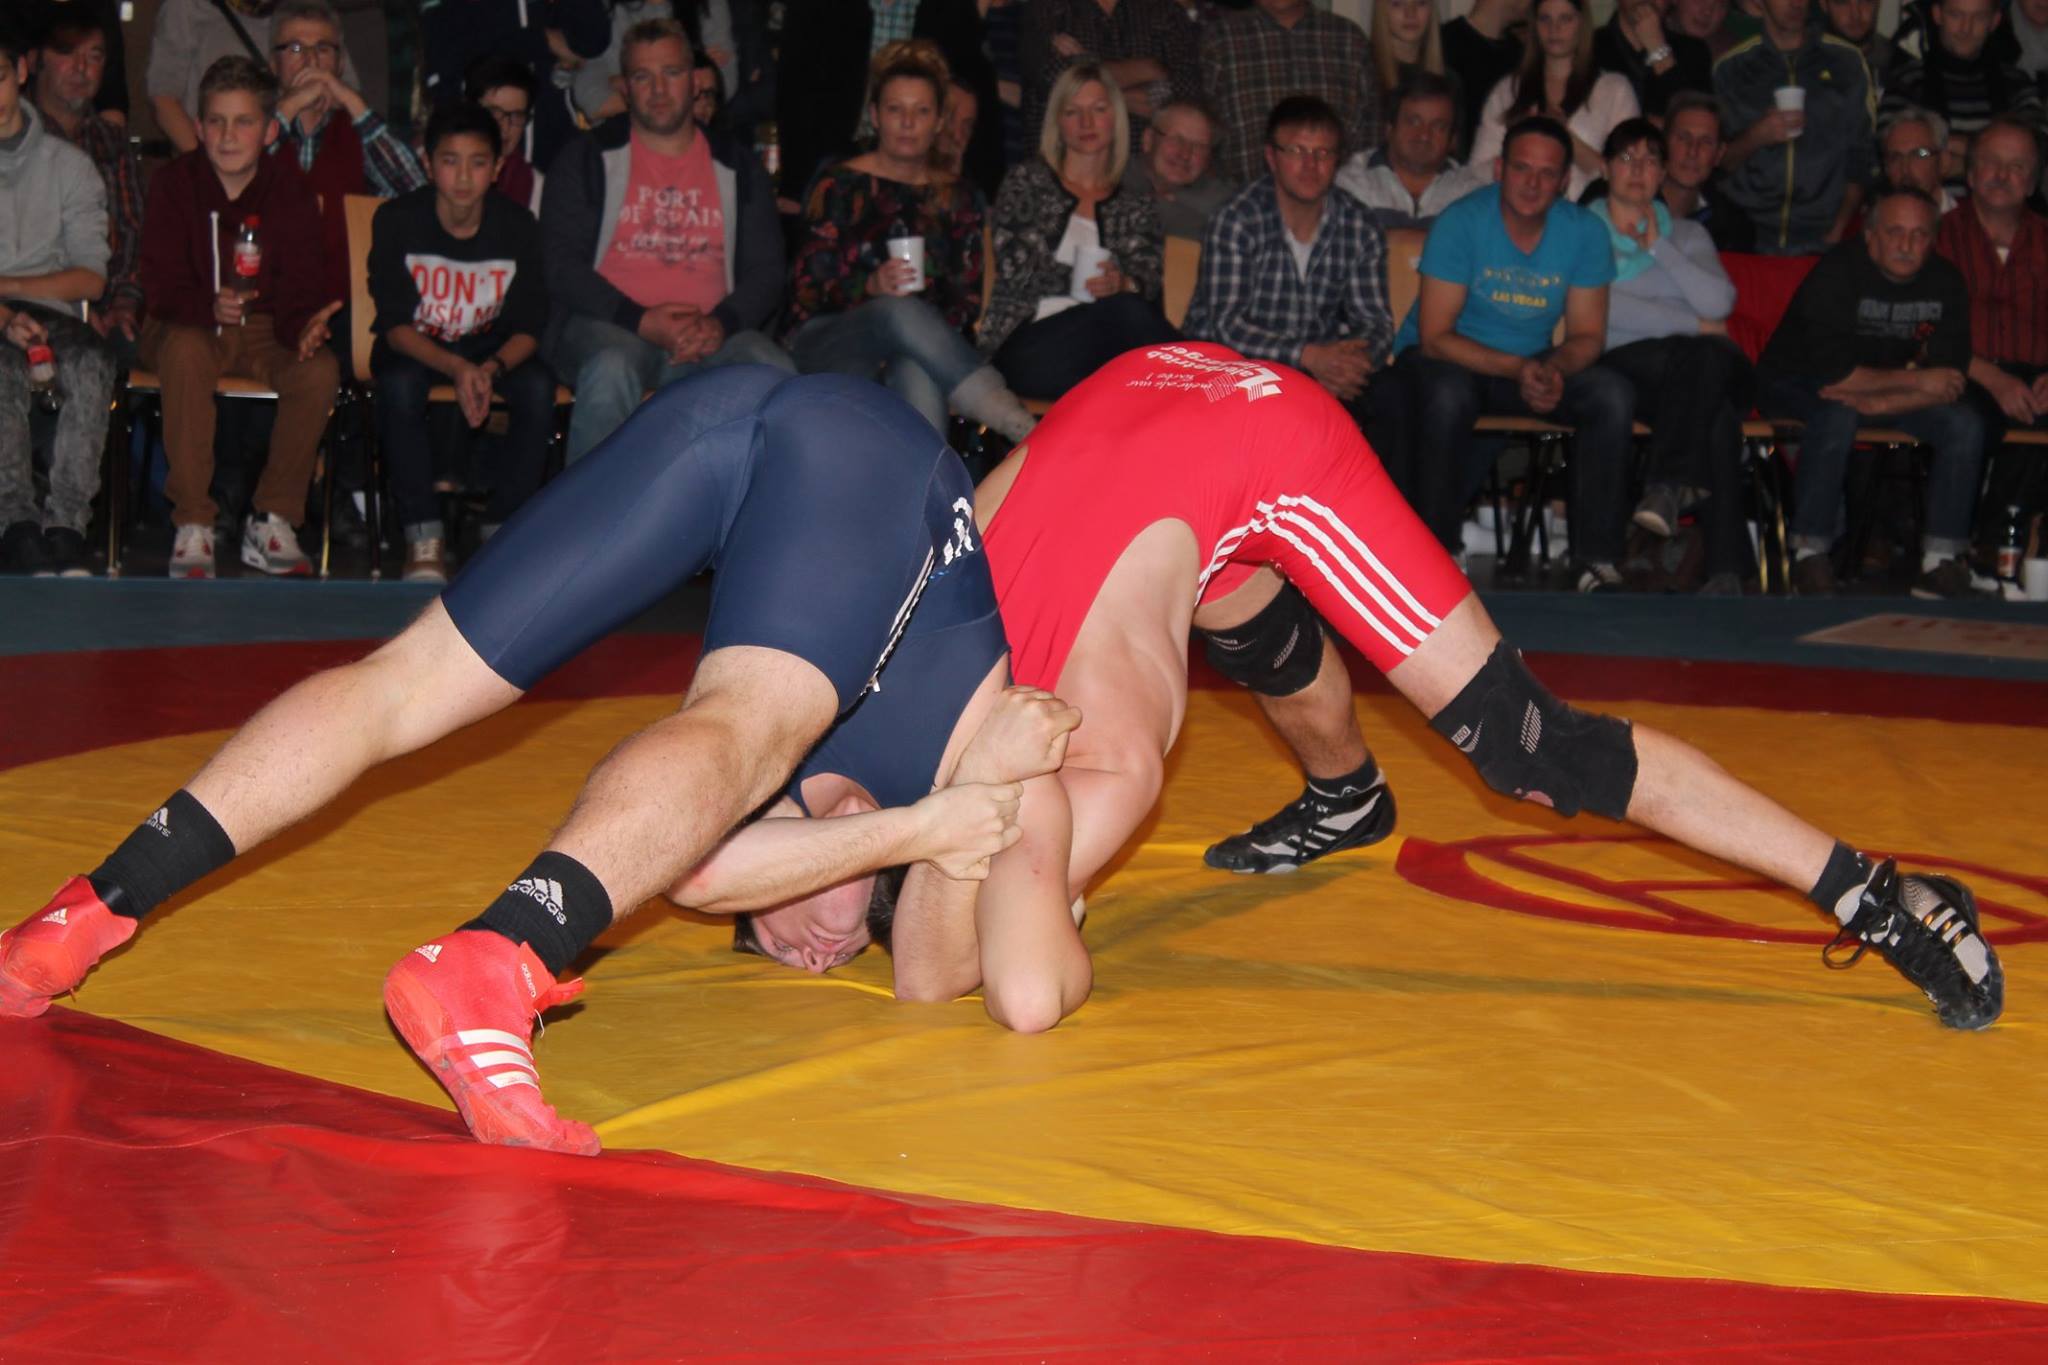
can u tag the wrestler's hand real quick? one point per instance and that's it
(1024, 735)
(967, 824)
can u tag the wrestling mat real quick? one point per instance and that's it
(1505, 1087)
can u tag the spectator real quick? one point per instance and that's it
(1055, 213)
(958, 117)
(716, 39)
(455, 272)
(1855, 23)
(1501, 267)
(1558, 80)
(1412, 179)
(1667, 333)
(1693, 139)
(70, 68)
(1659, 61)
(1484, 46)
(45, 17)
(1404, 39)
(1174, 168)
(1253, 60)
(1910, 151)
(547, 35)
(355, 153)
(1145, 46)
(663, 253)
(53, 259)
(189, 37)
(2001, 247)
(821, 82)
(2026, 41)
(1294, 273)
(1880, 330)
(1799, 175)
(1961, 78)
(855, 307)
(504, 86)
(201, 326)
(1710, 21)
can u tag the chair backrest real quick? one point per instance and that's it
(1404, 270)
(1183, 268)
(361, 210)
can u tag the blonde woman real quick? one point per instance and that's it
(1079, 258)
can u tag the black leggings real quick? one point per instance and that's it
(1044, 359)
(1692, 392)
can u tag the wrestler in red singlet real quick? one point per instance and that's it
(1258, 459)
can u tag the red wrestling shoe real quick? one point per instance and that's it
(50, 952)
(465, 1004)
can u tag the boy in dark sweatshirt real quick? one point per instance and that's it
(206, 321)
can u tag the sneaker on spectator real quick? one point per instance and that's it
(1600, 577)
(22, 550)
(1658, 511)
(425, 561)
(1951, 578)
(192, 553)
(1814, 576)
(269, 544)
(66, 551)
(1722, 584)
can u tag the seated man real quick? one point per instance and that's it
(71, 67)
(1855, 23)
(53, 258)
(2001, 247)
(206, 320)
(1963, 78)
(772, 477)
(1694, 134)
(1502, 266)
(663, 251)
(456, 275)
(341, 145)
(1173, 167)
(1910, 150)
(1879, 335)
(1412, 179)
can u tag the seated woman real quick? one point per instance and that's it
(1079, 258)
(1558, 78)
(1667, 331)
(889, 280)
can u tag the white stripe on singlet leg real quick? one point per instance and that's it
(1315, 560)
(1336, 552)
(1364, 553)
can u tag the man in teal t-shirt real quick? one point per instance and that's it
(1501, 269)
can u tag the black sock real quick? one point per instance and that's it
(1357, 782)
(1847, 872)
(555, 908)
(168, 852)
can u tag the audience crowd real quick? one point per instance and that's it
(1679, 218)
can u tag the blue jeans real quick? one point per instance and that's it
(611, 369)
(403, 433)
(905, 341)
(1954, 430)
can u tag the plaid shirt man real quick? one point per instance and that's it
(110, 151)
(1251, 61)
(1255, 299)
(895, 22)
(388, 164)
(1135, 28)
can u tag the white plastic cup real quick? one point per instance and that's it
(1792, 100)
(1088, 263)
(2034, 573)
(909, 250)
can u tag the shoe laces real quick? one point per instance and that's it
(1885, 922)
(1311, 807)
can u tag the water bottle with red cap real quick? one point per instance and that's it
(42, 377)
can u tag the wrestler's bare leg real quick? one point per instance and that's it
(1318, 722)
(305, 748)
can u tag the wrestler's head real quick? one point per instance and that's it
(827, 930)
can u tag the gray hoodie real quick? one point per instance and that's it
(53, 209)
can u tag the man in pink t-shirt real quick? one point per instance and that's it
(663, 251)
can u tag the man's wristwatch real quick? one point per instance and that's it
(1658, 54)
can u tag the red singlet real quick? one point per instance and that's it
(1258, 459)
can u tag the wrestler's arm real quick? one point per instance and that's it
(783, 856)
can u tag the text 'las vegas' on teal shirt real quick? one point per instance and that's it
(1513, 298)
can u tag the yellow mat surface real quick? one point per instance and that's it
(1338, 1056)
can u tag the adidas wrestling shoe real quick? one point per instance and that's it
(1307, 828)
(50, 952)
(465, 1004)
(1927, 928)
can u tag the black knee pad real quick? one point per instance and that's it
(1276, 653)
(1528, 744)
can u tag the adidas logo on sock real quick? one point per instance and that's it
(57, 916)
(161, 821)
(547, 891)
(430, 951)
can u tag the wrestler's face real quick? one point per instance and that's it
(819, 932)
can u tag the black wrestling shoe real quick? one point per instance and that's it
(1927, 928)
(1306, 828)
